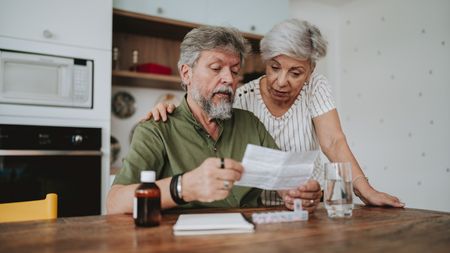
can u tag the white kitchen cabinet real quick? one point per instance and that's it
(84, 23)
(194, 11)
(253, 16)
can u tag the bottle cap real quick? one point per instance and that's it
(147, 176)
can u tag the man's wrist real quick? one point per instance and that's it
(186, 189)
(175, 189)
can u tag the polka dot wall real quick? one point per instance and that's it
(395, 96)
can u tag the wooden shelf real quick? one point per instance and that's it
(137, 23)
(129, 78)
(158, 41)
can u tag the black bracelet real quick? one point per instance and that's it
(173, 190)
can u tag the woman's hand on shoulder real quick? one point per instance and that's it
(160, 111)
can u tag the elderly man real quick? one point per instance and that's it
(200, 145)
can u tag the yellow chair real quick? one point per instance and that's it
(30, 210)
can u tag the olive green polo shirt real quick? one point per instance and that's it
(181, 144)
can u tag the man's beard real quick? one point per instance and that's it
(222, 110)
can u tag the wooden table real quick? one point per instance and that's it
(369, 230)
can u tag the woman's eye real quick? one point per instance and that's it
(274, 67)
(297, 73)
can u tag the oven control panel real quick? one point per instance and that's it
(27, 137)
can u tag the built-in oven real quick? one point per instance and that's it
(36, 160)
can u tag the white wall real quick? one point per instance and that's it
(394, 59)
(395, 96)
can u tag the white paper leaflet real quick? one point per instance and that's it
(272, 169)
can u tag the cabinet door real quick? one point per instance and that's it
(254, 16)
(86, 23)
(191, 11)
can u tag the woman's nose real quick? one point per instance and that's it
(281, 80)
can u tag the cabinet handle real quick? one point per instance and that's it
(47, 34)
(252, 28)
(159, 10)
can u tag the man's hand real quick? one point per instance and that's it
(309, 193)
(160, 111)
(209, 182)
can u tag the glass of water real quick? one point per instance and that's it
(338, 189)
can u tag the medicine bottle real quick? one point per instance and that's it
(147, 201)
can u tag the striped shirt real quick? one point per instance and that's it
(294, 131)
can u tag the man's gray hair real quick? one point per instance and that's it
(294, 38)
(209, 38)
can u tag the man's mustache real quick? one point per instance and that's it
(224, 90)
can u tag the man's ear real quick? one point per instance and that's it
(186, 74)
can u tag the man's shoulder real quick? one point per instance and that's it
(152, 126)
(244, 117)
(240, 113)
(144, 128)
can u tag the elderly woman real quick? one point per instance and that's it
(295, 105)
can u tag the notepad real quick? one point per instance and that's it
(212, 223)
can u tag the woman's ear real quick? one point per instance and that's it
(186, 74)
(313, 66)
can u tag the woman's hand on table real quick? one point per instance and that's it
(372, 197)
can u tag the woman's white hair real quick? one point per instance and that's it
(294, 38)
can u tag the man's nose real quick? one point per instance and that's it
(227, 76)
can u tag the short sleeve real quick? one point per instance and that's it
(321, 100)
(146, 153)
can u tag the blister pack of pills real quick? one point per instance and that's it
(282, 216)
(275, 217)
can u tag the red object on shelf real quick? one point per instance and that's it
(154, 68)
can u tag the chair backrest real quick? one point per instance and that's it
(30, 210)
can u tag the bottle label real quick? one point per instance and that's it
(135, 208)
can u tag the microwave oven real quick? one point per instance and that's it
(46, 80)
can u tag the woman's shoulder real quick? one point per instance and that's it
(317, 82)
(318, 79)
